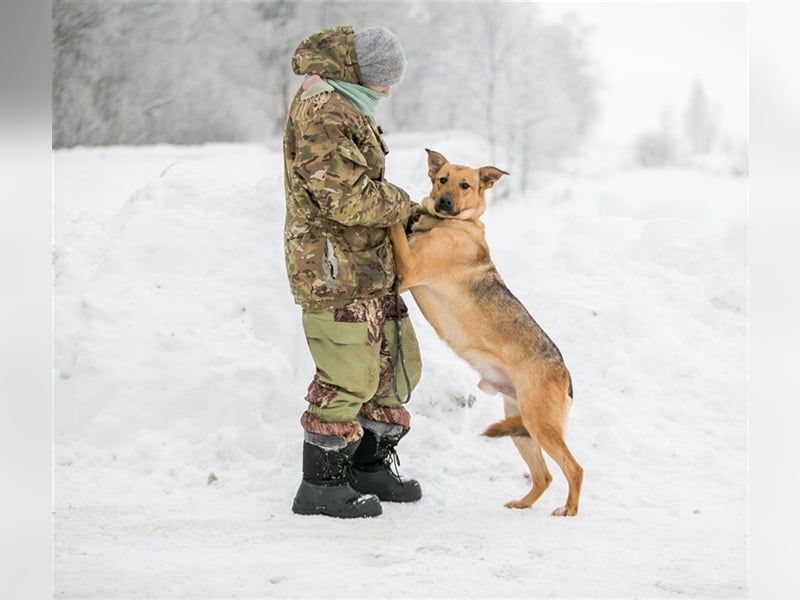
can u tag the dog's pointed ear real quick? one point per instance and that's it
(435, 162)
(489, 175)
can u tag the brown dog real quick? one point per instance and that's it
(446, 265)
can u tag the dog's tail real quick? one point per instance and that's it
(511, 426)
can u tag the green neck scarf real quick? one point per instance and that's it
(364, 99)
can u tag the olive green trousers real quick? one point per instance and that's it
(367, 362)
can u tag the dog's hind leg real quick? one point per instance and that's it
(531, 452)
(545, 419)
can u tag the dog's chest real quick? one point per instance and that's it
(444, 314)
(450, 243)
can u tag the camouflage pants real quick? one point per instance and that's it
(355, 352)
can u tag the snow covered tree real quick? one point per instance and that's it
(656, 149)
(186, 73)
(700, 121)
(74, 27)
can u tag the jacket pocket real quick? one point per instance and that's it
(365, 272)
(349, 151)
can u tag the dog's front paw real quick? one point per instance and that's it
(517, 504)
(417, 211)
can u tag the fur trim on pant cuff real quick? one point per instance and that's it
(351, 432)
(386, 414)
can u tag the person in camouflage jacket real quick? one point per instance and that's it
(342, 274)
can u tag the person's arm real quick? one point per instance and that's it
(335, 173)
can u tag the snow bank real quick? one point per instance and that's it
(179, 354)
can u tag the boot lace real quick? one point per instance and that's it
(392, 462)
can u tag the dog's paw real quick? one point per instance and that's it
(517, 504)
(410, 223)
(563, 511)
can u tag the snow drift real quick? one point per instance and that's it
(181, 368)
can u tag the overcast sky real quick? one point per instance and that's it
(651, 53)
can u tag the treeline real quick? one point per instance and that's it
(193, 72)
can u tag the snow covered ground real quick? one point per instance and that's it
(179, 354)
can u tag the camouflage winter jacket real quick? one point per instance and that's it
(338, 205)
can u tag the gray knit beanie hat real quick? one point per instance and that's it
(380, 58)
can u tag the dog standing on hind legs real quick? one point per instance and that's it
(446, 265)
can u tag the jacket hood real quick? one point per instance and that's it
(329, 53)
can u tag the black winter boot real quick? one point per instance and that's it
(325, 489)
(371, 468)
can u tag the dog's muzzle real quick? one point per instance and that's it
(444, 205)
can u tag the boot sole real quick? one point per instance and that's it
(320, 510)
(340, 501)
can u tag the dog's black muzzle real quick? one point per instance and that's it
(444, 205)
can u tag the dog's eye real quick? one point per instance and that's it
(464, 185)
(442, 180)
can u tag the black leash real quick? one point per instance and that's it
(401, 359)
